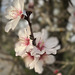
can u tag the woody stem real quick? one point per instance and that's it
(30, 25)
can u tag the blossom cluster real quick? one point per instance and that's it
(35, 56)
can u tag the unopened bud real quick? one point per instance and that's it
(56, 71)
(59, 73)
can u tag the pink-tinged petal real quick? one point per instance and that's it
(36, 52)
(18, 4)
(51, 42)
(24, 55)
(59, 73)
(49, 59)
(11, 13)
(28, 61)
(39, 66)
(32, 64)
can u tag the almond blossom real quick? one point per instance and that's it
(38, 62)
(40, 54)
(36, 57)
(45, 44)
(14, 14)
(24, 42)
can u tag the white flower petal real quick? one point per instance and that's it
(41, 36)
(51, 42)
(32, 65)
(36, 52)
(44, 35)
(22, 4)
(8, 26)
(39, 67)
(49, 59)
(24, 32)
(9, 17)
(37, 36)
(8, 12)
(16, 4)
(19, 4)
(28, 61)
(53, 50)
(20, 49)
(11, 24)
(15, 23)
(29, 48)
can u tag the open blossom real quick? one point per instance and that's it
(36, 57)
(38, 62)
(45, 44)
(40, 54)
(14, 14)
(24, 43)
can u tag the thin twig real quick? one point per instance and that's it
(30, 25)
(63, 62)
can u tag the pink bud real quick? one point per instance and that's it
(59, 73)
(22, 16)
(56, 71)
(31, 5)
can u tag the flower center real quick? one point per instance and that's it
(27, 41)
(15, 13)
(42, 56)
(40, 46)
(32, 57)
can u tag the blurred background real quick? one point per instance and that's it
(52, 15)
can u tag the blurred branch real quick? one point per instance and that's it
(46, 19)
(67, 48)
(66, 63)
(71, 71)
